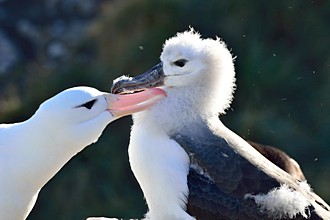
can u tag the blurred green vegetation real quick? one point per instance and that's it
(282, 99)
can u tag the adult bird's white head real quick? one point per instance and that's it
(80, 114)
(33, 151)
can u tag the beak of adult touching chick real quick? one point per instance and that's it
(125, 104)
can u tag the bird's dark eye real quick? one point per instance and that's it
(180, 63)
(89, 104)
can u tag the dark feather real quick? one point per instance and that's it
(219, 178)
(281, 159)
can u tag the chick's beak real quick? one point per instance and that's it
(150, 79)
(122, 105)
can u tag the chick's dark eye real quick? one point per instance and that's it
(89, 104)
(180, 63)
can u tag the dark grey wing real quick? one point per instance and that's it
(206, 201)
(219, 178)
(212, 156)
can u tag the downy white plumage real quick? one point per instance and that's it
(186, 161)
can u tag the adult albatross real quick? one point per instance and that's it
(33, 151)
(188, 164)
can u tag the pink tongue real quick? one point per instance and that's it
(137, 101)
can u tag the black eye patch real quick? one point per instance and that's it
(88, 105)
(180, 63)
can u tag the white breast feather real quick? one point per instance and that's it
(161, 167)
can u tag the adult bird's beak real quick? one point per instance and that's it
(121, 105)
(152, 78)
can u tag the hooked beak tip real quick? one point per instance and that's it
(150, 79)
